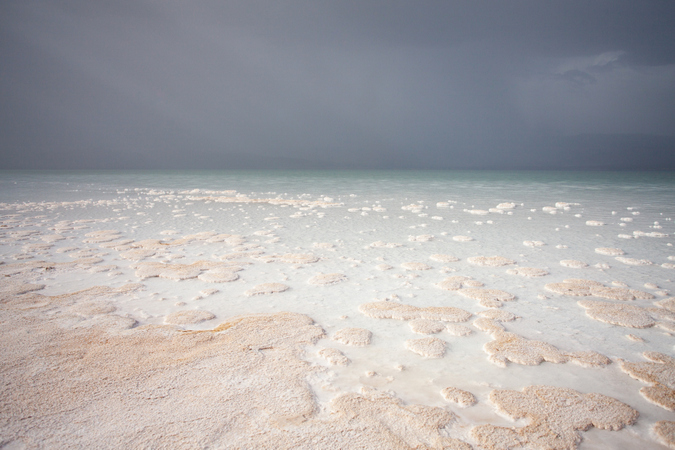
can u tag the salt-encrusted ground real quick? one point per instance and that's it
(393, 319)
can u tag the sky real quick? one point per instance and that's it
(325, 84)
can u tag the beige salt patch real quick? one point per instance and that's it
(573, 263)
(619, 293)
(299, 258)
(334, 357)
(266, 288)
(488, 325)
(17, 288)
(108, 322)
(443, 258)
(359, 337)
(460, 397)
(399, 311)
(325, 279)
(490, 298)
(190, 317)
(617, 314)
(633, 261)
(219, 275)
(323, 245)
(52, 237)
(429, 347)
(382, 244)
(93, 308)
(455, 282)
(665, 430)
(609, 251)
(456, 329)
(517, 349)
(384, 267)
(506, 205)
(462, 238)
(137, 254)
(208, 292)
(666, 303)
(534, 243)
(179, 272)
(421, 238)
(527, 272)
(594, 223)
(415, 266)
(498, 315)
(490, 261)
(554, 417)
(426, 326)
(660, 373)
(635, 338)
(168, 232)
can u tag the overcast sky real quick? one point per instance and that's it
(337, 84)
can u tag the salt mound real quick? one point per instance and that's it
(477, 212)
(382, 244)
(665, 430)
(534, 243)
(93, 308)
(594, 223)
(299, 258)
(617, 314)
(334, 357)
(462, 238)
(609, 251)
(619, 293)
(660, 373)
(512, 347)
(667, 303)
(568, 289)
(323, 245)
(633, 261)
(429, 347)
(554, 414)
(392, 310)
(219, 275)
(443, 258)
(490, 261)
(384, 267)
(488, 325)
(179, 272)
(324, 279)
(456, 282)
(490, 298)
(458, 396)
(506, 205)
(421, 238)
(188, 317)
(498, 315)
(266, 288)
(415, 266)
(458, 330)
(527, 272)
(574, 264)
(426, 326)
(359, 337)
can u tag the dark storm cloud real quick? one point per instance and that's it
(447, 84)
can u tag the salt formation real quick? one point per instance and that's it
(415, 266)
(665, 430)
(514, 348)
(382, 244)
(460, 397)
(534, 243)
(384, 267)
(572, 263)
(421, 238)
(580, 288)
(490, 261)
(426, 326)
(554, 414)
(527, 272)
(660, 373)
(325, 279)
(462, 238)
(618, 314)
(458, 330)
(399, 311)
(609, 251)
(429, 347)
(594, 223)
(498, 315)
(457, 282)
(633, 261)
(266, 288)
(359, 337)
(219, 275)
(298, 258)
(506, 205)
(489, 298)
(334, 356)
(443, 258)
(188, 317)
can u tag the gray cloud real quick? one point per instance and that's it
(208, 84)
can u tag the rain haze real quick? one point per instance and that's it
(336, 85)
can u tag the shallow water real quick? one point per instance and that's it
(352, 210)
